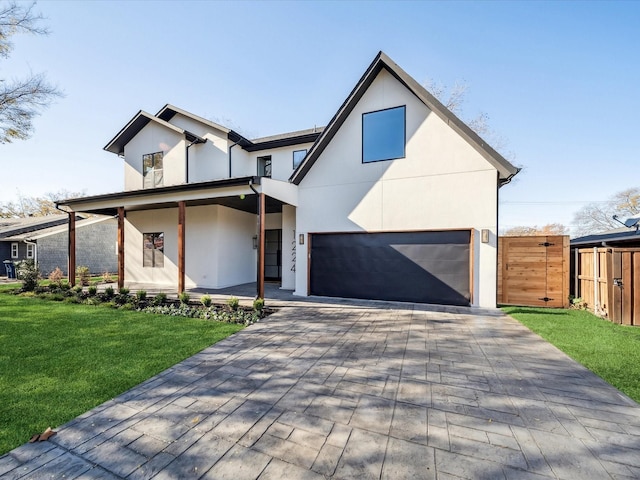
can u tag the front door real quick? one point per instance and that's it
(273, 255)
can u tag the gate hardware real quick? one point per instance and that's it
(546, 244)
(617, 282)
(545, 299)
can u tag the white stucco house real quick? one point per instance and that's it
(395, 199)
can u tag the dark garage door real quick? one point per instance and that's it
(422, 267)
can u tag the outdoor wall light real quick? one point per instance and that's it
(301, 239)
(484, 235)
(255, 242)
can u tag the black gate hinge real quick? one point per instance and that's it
(545, 299)
(546, 244)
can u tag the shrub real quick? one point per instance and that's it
(160, 298)
(107, 277)
(233, 303)
(92, 290)
(65, 286)
(123, 291)
(141, 295)
(126, 306)
(84, 275)
(29, 274)
(206, 300)
(258, 305)
(55, 277)
(109, 292)
(72, 300)
(77, 289)
(184, 298)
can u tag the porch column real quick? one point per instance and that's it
(71, 270)
(120, 247)
(181, 244)
(261, 220)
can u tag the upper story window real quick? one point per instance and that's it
(153, 250)
(152, 170)
(264, 166)
(383, 134)
(14, 250)
(30, 250)
(298, 156)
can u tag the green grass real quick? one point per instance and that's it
(59, 360)
(609, 350)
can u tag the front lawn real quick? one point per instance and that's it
(609, 350)
(59, 360)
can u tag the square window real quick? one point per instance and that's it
(153, 250)
(298, 156)
(152, 169)
(383, 134)
(14, 250)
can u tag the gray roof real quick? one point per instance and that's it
(505, 169)
(54, 229)
(18, 226)
(616, 235)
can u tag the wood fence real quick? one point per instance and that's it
(608, 281)
(534, 271)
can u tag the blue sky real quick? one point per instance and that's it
(558, 80)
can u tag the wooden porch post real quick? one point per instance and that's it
(261, 219)
(181, 244)
(120, 247)
(71, 271)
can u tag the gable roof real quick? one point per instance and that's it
(505, 169)
(29, 225)
(137, 123)
(56, 229)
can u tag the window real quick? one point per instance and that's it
(152, 170)
(298, 156)
(14, 250)
(30, 250)
(264, 166)
(153, 250)
(383, 134)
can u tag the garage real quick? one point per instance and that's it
(421, 267)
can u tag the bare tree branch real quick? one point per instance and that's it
(598, 217)
(35, 206)
(21, 100)
(549, 229)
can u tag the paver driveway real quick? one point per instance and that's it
(346, 392)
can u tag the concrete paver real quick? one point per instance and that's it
(356, 390)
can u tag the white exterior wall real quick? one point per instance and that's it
(281, 160)
(151, 139)
(289, 247)
(442, 183)
(218, 244)
(207, 161)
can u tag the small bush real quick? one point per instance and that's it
(92, 290)
(56, 297)
(233, 303)
(122, 298)
(206, 300)
(55, 277)
(123, 291)
(28, 272)
(258, 305)
(93, 301)
(72, 300)
(77, 289)
(141, 295)
(160, 298)
(107, 277)
(109, 293)
(84, 275)
(184, 298)
(126, 306)
(65, 286)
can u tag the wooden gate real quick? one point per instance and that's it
(607, 280)
(534, 271)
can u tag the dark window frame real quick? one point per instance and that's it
(305, 150)
(404, 128)
(261, 170)
(154, 159)
(157, 253)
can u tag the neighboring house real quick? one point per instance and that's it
(617, 237)
(45, 240)
(396, 199)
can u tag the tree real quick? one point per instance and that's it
(549, 229)
(35, 206)
(598, 217)
(21, 99)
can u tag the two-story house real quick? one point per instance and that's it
(396, 199)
